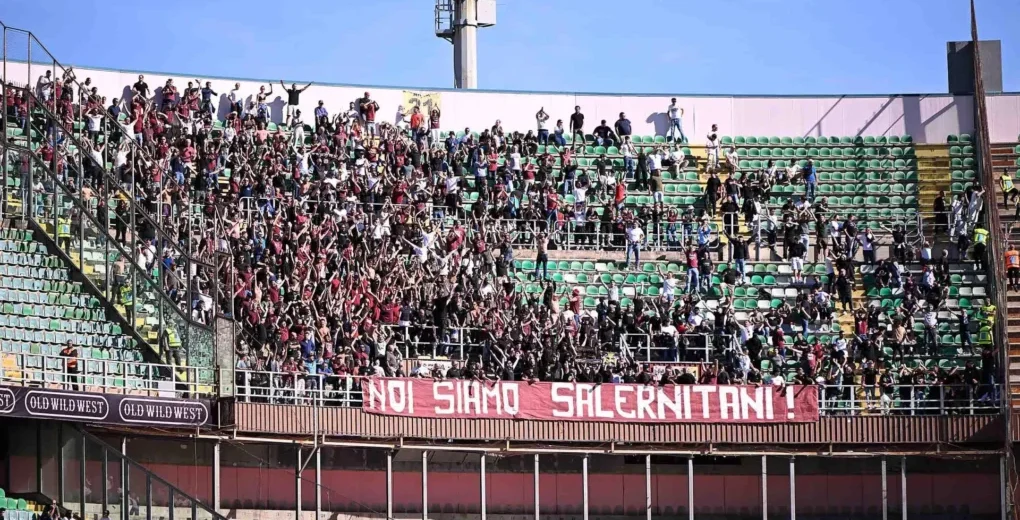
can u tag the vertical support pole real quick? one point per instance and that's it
(535, 482)
(648, 486)
(690, 487)
(38, 455)
(424, 485)
(1003, 488)
(389, 485)
(148, 496)
(28, 76)
(318, 481)
(903, 488)
(584, 487)
(297, 485)
(106, 478)
(60, 461)
(764, 488)
(81, 476)
(793, 489)
(481, 480)
(107, 272)
(170, 500)
(125, 508)
(885, 489)
(216, 477)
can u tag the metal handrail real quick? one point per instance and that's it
(111, 181)
(100, 376)
(107, 124)
(647, 345)
(980, 399)
(138, 274)
(165, 239)
(833, 400)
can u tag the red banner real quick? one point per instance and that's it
(462, 399)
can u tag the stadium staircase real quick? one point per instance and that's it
(95, 477)
(1006, 158)
(59, 229)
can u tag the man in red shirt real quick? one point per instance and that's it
(368, 107)
(417, 124)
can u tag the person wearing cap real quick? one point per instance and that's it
(322, 117)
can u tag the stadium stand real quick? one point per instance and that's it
(358, 247)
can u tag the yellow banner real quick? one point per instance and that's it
(426, 101)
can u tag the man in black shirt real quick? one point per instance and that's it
(293, 97)
(577, 127)
(712, 193)
(623, 128)
(604, 135)
(141, 88)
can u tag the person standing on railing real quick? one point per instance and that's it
(70, 356)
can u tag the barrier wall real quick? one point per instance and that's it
(929, 118)
(364, 491)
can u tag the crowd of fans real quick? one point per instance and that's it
(352, 243)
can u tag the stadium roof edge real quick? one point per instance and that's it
(497, 91)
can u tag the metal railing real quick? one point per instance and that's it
(297, 388)
(131, 289)
(912, 400)
(28, 67)
(651, 348)
(23, 69)
(300, 387)
(100, 376)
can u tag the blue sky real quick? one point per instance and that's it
(660, 46)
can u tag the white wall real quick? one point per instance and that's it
(928, 118)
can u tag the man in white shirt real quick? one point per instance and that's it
(712, 147)
(44, 86)
(732, 159)
(655, 162)
(541, 118)
(669, 285)
(793, 171)
(635, 239)
(236, 100)
(867, 241)
(629, 153)
(675, 123)
(679, 159)
(931, 332)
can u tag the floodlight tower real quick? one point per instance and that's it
(458, 21)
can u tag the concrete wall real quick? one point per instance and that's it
(928, 118)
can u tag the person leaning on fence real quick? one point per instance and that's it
(70, 356)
